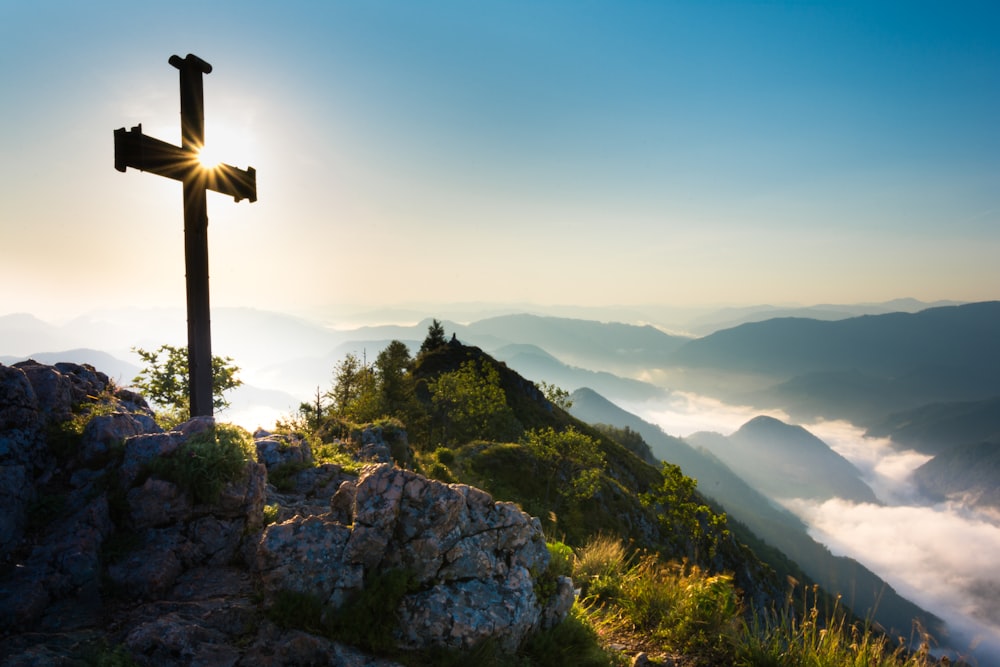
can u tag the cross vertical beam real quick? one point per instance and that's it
(199, 319)
(134, 149)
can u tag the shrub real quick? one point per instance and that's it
(204, 464)
(560, 559)
(572, 642)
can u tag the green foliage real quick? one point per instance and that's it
(469, 404)
(568, 458)
(560, 565)
(560, 559)
(444, 455)
(103, 654)
(630, 440)
(435, 338)
(363, 393)
(362, 621)
(64, 437)
(271, 513)
(556, 395)
(164, 381)
(294, 610)
(334, 453)
(207, 462)
(672, 606)
(598, 566)
(283, 475)
(572, 642)
(354, 390)
(696, 530)
(682, 609)
(394, 386)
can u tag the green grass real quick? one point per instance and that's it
(661, 607)
(207, 462)
(798, 637)
(362, 621)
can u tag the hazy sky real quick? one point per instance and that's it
(570, 152)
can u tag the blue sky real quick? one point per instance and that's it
(551, 152)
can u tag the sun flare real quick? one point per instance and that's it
(209, 158)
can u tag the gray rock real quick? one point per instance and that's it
(150, 570)
(140, 450)
(16, 493)
(276, 450)
(472, 558)
(18, 403)
(157, 503)
(104, 432)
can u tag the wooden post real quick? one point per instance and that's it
(134, 149)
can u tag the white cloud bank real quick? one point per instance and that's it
(944, 557)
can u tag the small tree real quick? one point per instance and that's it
(571, 459)
(164, 381)
(556, 395)
(435, 338)
(470, 403)
(395, 387)
(353, 393)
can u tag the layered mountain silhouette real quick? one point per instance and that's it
(786, 461)
(860, 368)
(936, 428)
(602, 346)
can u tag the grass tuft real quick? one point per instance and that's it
(207, 462)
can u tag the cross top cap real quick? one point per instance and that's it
(191, 61)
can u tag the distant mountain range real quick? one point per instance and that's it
(727, 318)
(935, 428)
(860, 369)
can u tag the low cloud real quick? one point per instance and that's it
(684, 413)
(941, 556)
(886, 470)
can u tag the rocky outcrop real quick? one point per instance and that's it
(101, 549)
(473, 562)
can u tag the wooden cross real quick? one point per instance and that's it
(136, 150)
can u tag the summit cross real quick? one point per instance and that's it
(135, 149)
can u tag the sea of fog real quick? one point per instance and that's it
(942, 556)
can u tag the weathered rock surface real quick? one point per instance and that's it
(99, 551)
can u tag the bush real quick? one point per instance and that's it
(572, 642)
(560, 559)
(204, 464)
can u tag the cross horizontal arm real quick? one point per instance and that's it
(139, 151)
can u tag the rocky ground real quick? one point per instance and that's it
(106, 558)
